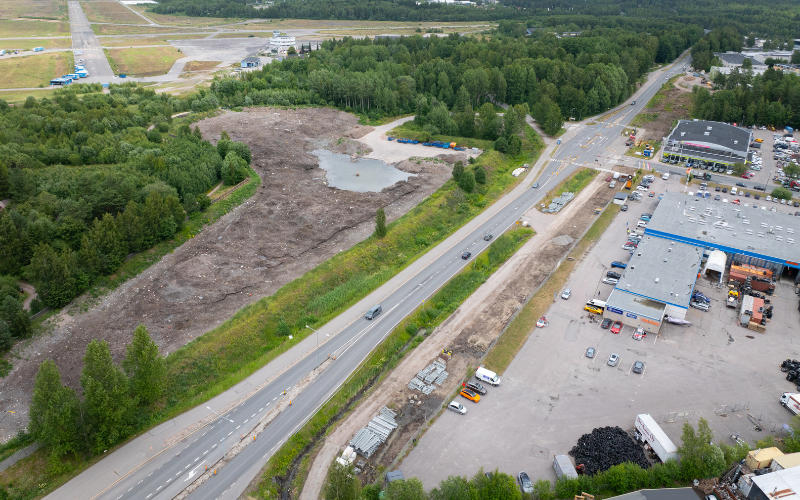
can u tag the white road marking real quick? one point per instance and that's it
(237, 428)
(253, 415)
(231, 432)
(196, 459)
(148, 496)
(204, 453)
(262, 409)
(245, 421)
(276, 397)
(168, 480)
(213, 447)
(159, 488)
(140, 482)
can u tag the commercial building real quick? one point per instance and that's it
(746, 235)
(715, 143)
(251, 62)
(780, 484)
(281, 43)
(785, 461)
(662, 494)
(658, 282)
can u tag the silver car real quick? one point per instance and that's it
(525, 482)
(457, 407)
(566, 294)
(590, 352)
(613, 359)
(610, 281)
(699, 305)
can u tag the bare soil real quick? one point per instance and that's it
(470, 332)
(677, 105)
(293, 222)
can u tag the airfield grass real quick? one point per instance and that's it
(33, 71)
(148, 61)
(174, 20)
(48, 43)
(23, 27)
(17, 96)
(110, 12)
(200, 65)
(144, 40)
(322, 24)
(39, 9)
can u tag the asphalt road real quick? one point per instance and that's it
(84, 39)
(169, 473)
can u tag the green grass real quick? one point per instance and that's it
(34, 70)
(18, 28)
(15, 96)
(411, 130)
(110, 12)
(643, 118)
(250, 339)
(640, 148)
(572, 184)
(509, 344)
(387, 355)
(145, 61)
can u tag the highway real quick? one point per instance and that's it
(169, 473)
(84, 40)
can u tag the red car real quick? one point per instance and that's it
(608, 179)
(617, 327)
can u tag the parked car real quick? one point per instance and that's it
(639, 334)
(606, 324)
(724, 190)
(624, 208)
(613, 359)
(717, 188)
(610, 281)
(612, 274)
(619, 264)
(466, 255)
(617, 327)
(565, 295)
(590, 352)
(457, 407)
(699, 305)
(741, 184)
(717, 198)
(476, 387)
(638, 367)
(593, 309)
(701, 298)
(470, 395)
(629, 246)
(525, 482)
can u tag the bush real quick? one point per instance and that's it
(782, 193)
(458, 170)
(154, 136)
(467, 182)
(163, 127)
(480, 175)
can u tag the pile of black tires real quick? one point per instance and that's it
(791, 367)
(606, 447)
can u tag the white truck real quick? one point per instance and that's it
(488, 376)
(791, 401)
(652, 434)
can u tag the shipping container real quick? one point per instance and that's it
(38, 49)
(657, 439)
(762, 458)
(563, 467)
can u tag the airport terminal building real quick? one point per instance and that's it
(713, 142)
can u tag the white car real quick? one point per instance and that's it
(769, 198)
(610, 281)
(641, 188)
(566, 294)
(457, 407)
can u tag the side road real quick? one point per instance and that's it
(135, 453)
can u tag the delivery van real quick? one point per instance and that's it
(597, 303)
(488, 376)
(374, 311)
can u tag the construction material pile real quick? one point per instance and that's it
(791, 367)
(558, 203)
(368, 439)
(434, 373)
(606, 447)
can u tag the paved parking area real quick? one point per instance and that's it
(551, 394)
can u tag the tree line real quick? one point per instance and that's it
(89, 184)
(117, 400)
(700, 458)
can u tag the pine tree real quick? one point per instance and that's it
(18, 320)
(107, 405)
(52, 276)
(380, 223)
(54, 411)
(145, 367)
(108, 241)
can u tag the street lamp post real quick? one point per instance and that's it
(317, 342)
(220, 429)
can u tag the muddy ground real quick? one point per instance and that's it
(469, 333)
(677, 105)
(293, 222)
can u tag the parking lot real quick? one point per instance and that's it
(551, 394)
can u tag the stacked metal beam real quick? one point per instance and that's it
(558, 203)
(429, 377)
(367, 440)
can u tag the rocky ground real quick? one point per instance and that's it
(293, 222)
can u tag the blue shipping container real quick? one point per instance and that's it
(38, 49)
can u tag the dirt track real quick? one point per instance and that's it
(291, 224)
(469, 333)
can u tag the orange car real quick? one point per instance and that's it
(470, 395)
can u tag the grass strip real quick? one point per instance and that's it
(572, 184)
(260, 332)
(413, 131)
(517, 332)
(403, 339)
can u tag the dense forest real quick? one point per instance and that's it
(90, 183)
(765, 18)
(555, 77)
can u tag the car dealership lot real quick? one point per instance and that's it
(552, 393)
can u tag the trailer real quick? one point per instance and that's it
(652, 434)
(38, 49)
(563, 467)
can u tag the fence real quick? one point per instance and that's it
(225, 195)
(676, 415)
(730, 408)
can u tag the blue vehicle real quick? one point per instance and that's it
(699, 297)
(619, 264)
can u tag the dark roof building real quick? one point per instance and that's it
(709, 141)
(662, 494)
(251, 62)
(737, 59)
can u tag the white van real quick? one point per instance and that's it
(488, 376)
(616, 175)
(597, 303)
(612, 184)
(733, 191)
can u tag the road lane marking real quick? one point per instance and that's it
(140, 482)
(253, 415)
(168, 480)
(245, 421)
(204, 453)
(213, 447)
(262, 409)
(196, 459)
(148, 496)
(159, 488)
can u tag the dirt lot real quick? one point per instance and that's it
(669, 106)
(469, 333)
(290, 225)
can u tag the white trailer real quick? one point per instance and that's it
(791, 401)
(653, 435)
(563, 467)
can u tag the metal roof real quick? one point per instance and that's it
(630, 302)
(788, 461)
(779, 481)
(711, 134)
(661, 270)
(662, 494)
(252, 59)
(751, 231)
(737, 58)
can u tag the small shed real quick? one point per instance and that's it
(716, 262)
(393, 476)
(251, 62)
(620, 198)
(761, 458)
(785, 461)
(4, 204)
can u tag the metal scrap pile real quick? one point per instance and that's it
(606, 447)
(558, 203)
(434, 373)
(367, 440)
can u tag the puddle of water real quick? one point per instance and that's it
(373, 175)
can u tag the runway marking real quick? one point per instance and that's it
(213, 447)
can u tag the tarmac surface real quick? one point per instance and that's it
(84, 40)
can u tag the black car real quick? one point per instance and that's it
(476, 387)
(717, 189)
(612, 274)
(741, 184)
(606, 324)
(724, 190)
(747, 195)
(487, 237)
(466, 255)
(757, 196)
(624, 208)
(638, 367)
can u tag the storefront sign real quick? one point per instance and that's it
(614, 310)
(650, 321)
(631, 315)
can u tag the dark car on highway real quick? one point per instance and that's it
(487, 237)
(466, 255)
(741, 184)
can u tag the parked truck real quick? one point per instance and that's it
(652, 434)
(791, 401)
(489, 376)
(563, 467)
(733, 299)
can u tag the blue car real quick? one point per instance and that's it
(701, 298)
(619, 264)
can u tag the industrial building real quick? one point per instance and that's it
(783, 483)
(712, 142)
(281, 43)
(658, 282)
(746, 235)
(251, 62)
